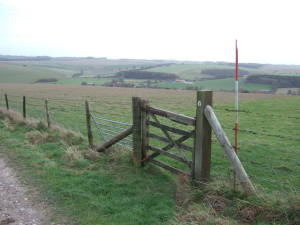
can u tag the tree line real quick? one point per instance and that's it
(224, 73)
(140, 74)
(275, 81)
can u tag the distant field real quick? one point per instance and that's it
(31, 71)
(64, 68)
(227, 84)
(284, 91)
(17, 73)
(194, 71)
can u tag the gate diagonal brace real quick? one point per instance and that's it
(171, 140)
(168, 147)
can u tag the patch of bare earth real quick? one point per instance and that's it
(16, 206)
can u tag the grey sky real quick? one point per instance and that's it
(267, 31)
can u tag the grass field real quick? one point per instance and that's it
(268, 148)
(284, 91)
(227, 84)
(19, 73)
(31, 71)
(194, 71)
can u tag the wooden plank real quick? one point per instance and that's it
(171, 155)
(171, 129)
(182, 146)
(114, 140)
(47, 113)
(168, 147)
(137, 131)
(88, 124)
(202, 141)
(145, 130)
(24, 107)
(186, 120)
(228, 149)
(167, 167)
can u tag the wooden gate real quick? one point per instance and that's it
(195, 155)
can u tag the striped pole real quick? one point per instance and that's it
(236, 98)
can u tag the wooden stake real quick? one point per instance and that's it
(47, 113)
(88, 124)
(202, 142)
(24, 107)
(228, 149)
(6, 100)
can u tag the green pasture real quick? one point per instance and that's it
(194, 71)
(21, 73)
(79, 80)
(227, 84)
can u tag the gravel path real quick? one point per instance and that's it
(16, 206)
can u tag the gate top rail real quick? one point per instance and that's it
(179, 118)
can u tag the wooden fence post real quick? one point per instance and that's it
(137, 131)
(6, 100)
(228, 149)
(202, 141)
(47, 113)
(88, 124)
(24, 107)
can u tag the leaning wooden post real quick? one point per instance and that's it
(6, 100)
(228, 149)
(24, 107)
(145, 130)
(202, 141)
(47, 113)
(88, 124)
(114, 140)
(137, 154)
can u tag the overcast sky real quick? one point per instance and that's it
(268, 31)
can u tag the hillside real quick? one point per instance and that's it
(146, 73)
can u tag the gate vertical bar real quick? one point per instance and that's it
(145, 130)
(202, 141)
(137, 154)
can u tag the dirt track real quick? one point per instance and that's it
(17, 205)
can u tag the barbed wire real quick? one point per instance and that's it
(257, 113)
(265, 133)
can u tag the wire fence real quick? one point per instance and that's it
(271, 157)
(110, 128)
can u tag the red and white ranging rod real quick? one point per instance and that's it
(236, 97)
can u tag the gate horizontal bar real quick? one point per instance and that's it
(182, 146)
(179, 118)
(172, 129)
(167, 167)
(171, 155)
